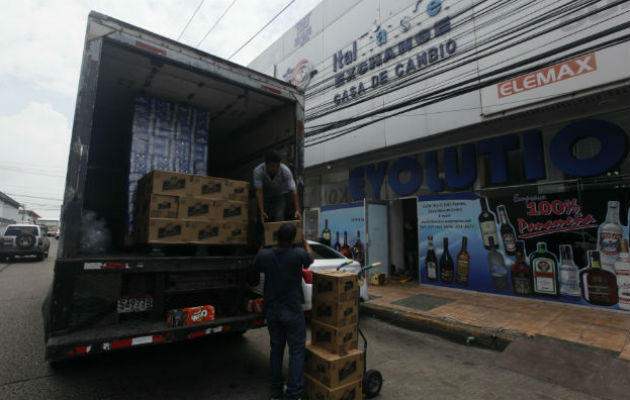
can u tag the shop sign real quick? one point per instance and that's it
(556, 73)
(348, 70)
(460, 163)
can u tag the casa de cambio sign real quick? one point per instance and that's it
(349, 71)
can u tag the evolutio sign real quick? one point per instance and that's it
(460, 172)
(348, 70)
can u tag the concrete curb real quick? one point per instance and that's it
(495, 339)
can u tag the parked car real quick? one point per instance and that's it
(24, 240)
(327, 258)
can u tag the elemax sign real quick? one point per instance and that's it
(459, 167)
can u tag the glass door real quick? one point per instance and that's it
(377, 235)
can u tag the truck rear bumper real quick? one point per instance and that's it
(121, 336)
(12, 251)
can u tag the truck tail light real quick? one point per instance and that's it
(308, 276)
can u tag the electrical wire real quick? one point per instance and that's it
(215, 24)
(383, 110)
(190, 19)
(261, 29)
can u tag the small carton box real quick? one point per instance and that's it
(271, 232)
(219, 188)
(216, 232)
(157, 206)
(335, 286)
(316, 390)
(328, 310)
(335, 340)
(238, 190)
(209, 187)
(165, 182)
(213, 210)
(161, 230)
(331, 369)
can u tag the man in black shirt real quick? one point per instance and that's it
(282, 267)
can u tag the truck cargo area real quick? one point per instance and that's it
(122, 293)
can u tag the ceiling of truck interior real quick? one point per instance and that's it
(232, 107)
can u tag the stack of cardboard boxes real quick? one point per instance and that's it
(176, 208)
(334, 366)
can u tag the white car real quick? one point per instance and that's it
(327, 258)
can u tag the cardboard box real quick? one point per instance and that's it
(333, 370)
(213, 210)
(161, 230)
(216, 232)
(335, 286)
(315, 390)
(335, 313)
(219, 188)
(190, 316)
(271, 232)
(157, 206)
(336, 340)
(165, 182)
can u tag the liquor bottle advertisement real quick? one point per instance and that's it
(346, 224)
(562, 247)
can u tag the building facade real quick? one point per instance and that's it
(471, 144)
(9, 209)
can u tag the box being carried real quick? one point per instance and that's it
(190, 316)
(333, 370)
(314, 389)
(271, 232)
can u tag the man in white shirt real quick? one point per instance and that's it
(272, 182)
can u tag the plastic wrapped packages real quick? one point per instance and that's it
(95, 237)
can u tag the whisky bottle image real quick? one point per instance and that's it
(345, 249)
(463, 264)
(326, 235)
(569, 273)
(598, 285)
(622, 268)
(447, 268)
(488, 225)
(357, 249)
(521, 273)
(498, 271)
(508, 234)
(337, 243)
(545, 271)
(431, 262)
(610, 233)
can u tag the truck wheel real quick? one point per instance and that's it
(25, 241)
(372, 383)
(40, 257)
(46, 255)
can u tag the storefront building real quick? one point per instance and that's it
(471, 144)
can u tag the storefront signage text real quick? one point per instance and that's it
(346, 72)
(460, 163)
(564, 215)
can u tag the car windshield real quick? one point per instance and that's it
(321, 251)
(20, 230)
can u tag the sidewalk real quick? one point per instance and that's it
(496, 320)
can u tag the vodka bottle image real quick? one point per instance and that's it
(498, 271)
(508, 235)
(487, 225)
(569, 273)
(610, 233)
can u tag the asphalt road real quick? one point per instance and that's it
(414, 365)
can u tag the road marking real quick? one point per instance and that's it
(3, 267)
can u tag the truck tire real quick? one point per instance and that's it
(25, 241)
(40, 257)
